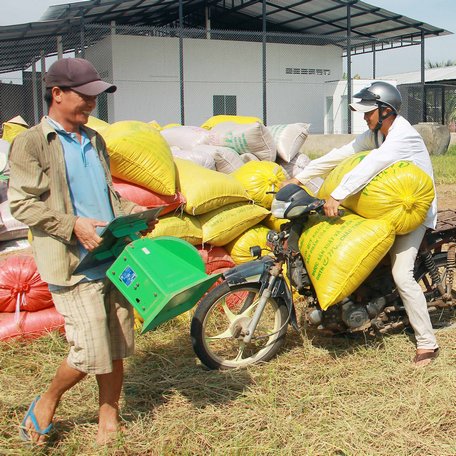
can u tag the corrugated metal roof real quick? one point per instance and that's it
(431, 75)
(21, 44)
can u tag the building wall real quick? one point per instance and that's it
(146, 72)
(337, 119)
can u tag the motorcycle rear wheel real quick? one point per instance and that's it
(424, 279)
(222, 316)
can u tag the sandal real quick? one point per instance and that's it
(24, 431)
(426, 356)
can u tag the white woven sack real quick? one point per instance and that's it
(289, 138)
(226, 159)
(10, 228)
(4, 149)
(200, 157)
(296, 165)
(248, 157)
(251, 138)
(185, 137)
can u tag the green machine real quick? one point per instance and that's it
(160, 277)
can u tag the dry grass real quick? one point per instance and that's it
(320, 396)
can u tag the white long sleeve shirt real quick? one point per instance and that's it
(403, 143)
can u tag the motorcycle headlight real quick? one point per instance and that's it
(278, 208)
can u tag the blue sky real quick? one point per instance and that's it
(439, 13)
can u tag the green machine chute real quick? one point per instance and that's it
(161, 277)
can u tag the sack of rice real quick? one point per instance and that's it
(199, 156)
(186, 227)
(206, 190)
(185, 137)
(222, 225)
(401, 193)
(251, 138)
(155, 124)
(294, 166)
(97, 124)
(340, 253)
(139, 154)
(215, 258)
(215, 120)
(274, 223)
(289, 138)
(260, 179)
(144, 197)
(239, 248)
(248, 157)
(226, 159)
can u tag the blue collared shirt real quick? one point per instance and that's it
(87, 184)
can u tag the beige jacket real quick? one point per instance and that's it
(39, 196)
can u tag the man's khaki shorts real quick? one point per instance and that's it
(98, 324)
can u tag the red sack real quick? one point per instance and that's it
(21, 287)
(215, 258)
(147, 198)
(29, 325)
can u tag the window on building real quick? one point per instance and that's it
(224, 104)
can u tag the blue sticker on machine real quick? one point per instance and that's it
(128, 276)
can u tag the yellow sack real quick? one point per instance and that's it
(274, 223)
(170, 125)
(401, 194)
(214, 120)
(183, 226)
(205, 189)
(97, 124)
(11, 130)
(239, 248)
(140, 155)
(258, 178)
(138, 320)
(340, 253)
(156, 125)
(226, 223)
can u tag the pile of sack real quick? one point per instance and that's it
(340, 253)
(216, 183)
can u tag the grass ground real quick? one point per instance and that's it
(320, 396)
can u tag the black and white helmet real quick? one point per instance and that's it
(378, 94)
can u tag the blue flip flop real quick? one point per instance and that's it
(24, 432)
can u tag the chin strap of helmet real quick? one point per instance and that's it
(381, 118)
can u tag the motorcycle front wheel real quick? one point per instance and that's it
(219, 323)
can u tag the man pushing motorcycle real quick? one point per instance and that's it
(390, 138)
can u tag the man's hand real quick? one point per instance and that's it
(331, 207)
(85, 230)
(293, 180)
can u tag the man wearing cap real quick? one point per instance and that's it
(390, 138)
(61, 187)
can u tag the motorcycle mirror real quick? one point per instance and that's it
(255, 251)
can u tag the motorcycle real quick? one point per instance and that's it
(244, 320)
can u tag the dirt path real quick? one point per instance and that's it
(446, 196)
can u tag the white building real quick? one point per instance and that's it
(146, 72)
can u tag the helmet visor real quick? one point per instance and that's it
(363, 106)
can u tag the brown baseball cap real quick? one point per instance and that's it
(79, 75)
